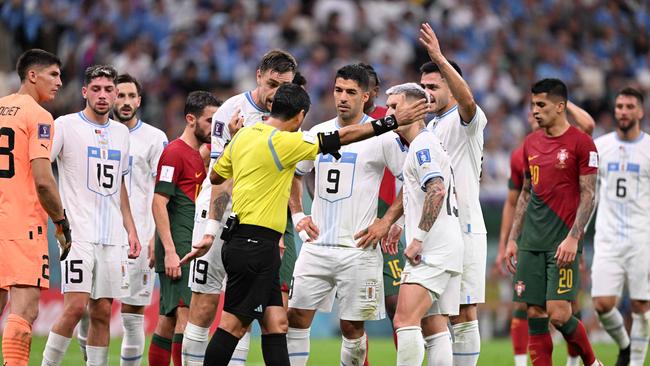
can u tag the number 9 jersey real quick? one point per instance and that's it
(92, 159)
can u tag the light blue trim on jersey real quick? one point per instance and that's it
(300, 172)
(638, 139)
(85, 119)
(363, 119)
(249, 98)
(276, 159)
(137, 125)
(445, 114)
(428, 177)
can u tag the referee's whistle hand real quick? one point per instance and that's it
(407, 113)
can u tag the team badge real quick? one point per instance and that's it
(562, 157)
(44, 131)
(520, 288)
(218, 129)
(423, 156)
(145, 279)
(371, 290)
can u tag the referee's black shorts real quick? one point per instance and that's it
(252, 261)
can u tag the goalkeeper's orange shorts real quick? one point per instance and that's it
(24, 263)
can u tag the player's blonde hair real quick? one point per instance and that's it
(410, 90)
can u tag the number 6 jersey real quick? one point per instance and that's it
(346, 190)
(623, 219)
(92, 159)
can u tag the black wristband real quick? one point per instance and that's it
(330, 143)
(384, 125)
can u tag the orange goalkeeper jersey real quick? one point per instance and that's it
(26, 131)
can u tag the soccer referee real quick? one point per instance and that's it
(261, 159)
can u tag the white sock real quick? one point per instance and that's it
(97, 356)
(521, 360)
(82, 333)
(439, 351)
(467, 343)
(639, 335)
(613, 324)
(572, 361)
(195, 341)
(353, 351)
(298, 345)
(133, 341)
(55, 348)
(241, 351)
(410, 346)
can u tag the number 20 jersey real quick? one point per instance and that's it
(623, 219)
(346, 190)
(92, 159)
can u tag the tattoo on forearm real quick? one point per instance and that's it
(433, 200)
(586, 206)
(220, 203)
(520, 210)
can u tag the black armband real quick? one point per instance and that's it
(385, 124)
(330, 143)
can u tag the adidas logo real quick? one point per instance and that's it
(259, 309)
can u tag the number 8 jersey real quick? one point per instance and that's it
(346, 190)
(623, 221)
(91, 160)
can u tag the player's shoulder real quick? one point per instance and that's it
(117, 126)
(426, 140)
(329, 125)
(232, 103)
(26, 102)
(70, 117)
(153, 132)
(605, 139)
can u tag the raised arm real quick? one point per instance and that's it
(517, 224)
(581, 118)
(457, 85)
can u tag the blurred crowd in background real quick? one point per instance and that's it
(503, 46)
(176, 46)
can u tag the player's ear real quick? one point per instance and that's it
(84, 91)
(365, 96)
(561, 107)
(190, 119)
(31, 76)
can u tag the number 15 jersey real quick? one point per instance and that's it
(92, 159)
(346, 190)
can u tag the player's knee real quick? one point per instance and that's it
(466, 313)
(639, 306)
(602, 305)
(28, 312)
(203, 310)
(559, 316)
(404, 320)
(298, 318)
(352, 330)
(75, 311)
(519, 306)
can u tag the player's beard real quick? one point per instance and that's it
(629, 126)
(118, 115)
(100, 113)
(203, 138)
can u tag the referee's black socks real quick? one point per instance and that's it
(274, 349)
(221, 347)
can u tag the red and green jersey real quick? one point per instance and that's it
(179, 176)
(555, 165)
(517, 166)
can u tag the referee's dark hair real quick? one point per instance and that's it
(197, 101)
(632, 92)
(552, 88)
(354, 72)
(35, 57)
(429, 67)
(278, 61)
(288, 101)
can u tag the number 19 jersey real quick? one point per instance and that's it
(623, 221)
(92, 159)
(346, 190)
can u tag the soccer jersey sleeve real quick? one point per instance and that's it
(156, 152)
(125, 157)
(516, 180)
(220, 133)
(288, 148)
(477, 124)
(587, 155)
(427, 165)
(57, 139)
(394, 153)
(169, 170)
(40, 133)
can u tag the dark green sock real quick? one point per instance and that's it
(162, 342)
(537, 326)
(178, 338)
(569, 327)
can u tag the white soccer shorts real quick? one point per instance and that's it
(610, 273)
(472, 286)
(99, 270)
(141, 279)
(207, 272)
(351, 275)
(443, 286)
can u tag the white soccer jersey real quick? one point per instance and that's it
(221, 135)
(92, 159)
(622, 221)
(464, 144)
(146, 143)
(346, 190)
(427, 159)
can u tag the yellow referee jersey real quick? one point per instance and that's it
(262, 159)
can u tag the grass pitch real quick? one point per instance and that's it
(325, 352)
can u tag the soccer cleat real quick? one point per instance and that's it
(623, 357)
(63, 236)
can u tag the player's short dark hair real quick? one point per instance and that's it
(35, 57)
(288, 101)
(356, 73)
(552, 87)
(278, 61)
(429, 67)
(631, 92)
(299, 79)
(198, 100)
(99, 71)
(127, 78)
(372, 74)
